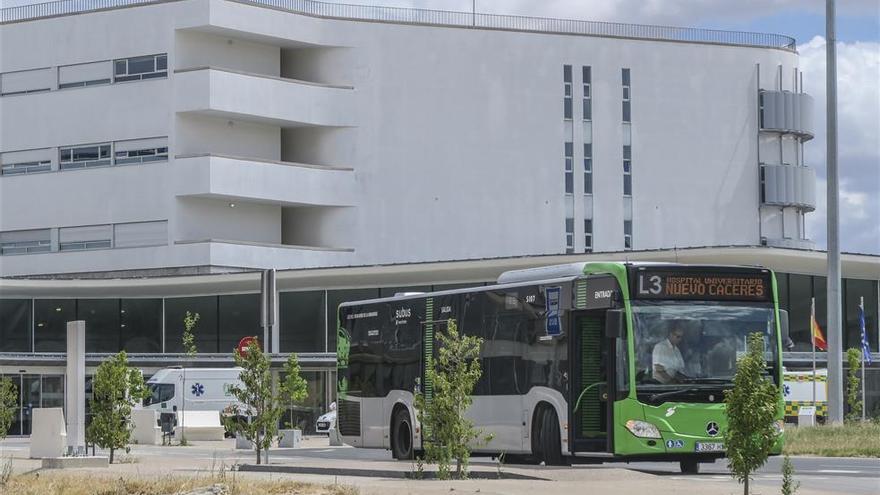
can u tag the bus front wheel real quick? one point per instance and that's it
(401, 436)
(549, 448)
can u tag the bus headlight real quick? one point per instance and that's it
(779, 426)
(642, 429)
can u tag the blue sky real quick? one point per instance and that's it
(858, 35)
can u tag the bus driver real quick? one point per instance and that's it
(666, 360)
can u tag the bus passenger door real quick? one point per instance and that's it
(592, 370)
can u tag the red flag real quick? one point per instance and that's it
(818, 338)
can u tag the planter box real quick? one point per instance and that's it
(243, 443)
(289, 439)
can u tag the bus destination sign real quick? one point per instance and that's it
(731, 286)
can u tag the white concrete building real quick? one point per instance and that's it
(156, 154)
(255, 137)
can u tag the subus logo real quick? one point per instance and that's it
(603, 294)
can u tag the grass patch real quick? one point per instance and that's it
(851, 440)
(92, 484)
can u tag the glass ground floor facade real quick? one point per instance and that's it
(37, 390)
(150, 329)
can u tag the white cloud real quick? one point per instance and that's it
(858, 97)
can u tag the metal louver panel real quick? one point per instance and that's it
(784, 111)
(788, 185)
(590, 406)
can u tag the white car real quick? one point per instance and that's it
(327, 420)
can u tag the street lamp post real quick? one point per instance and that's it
(835, 341)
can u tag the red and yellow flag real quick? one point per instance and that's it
(818, 338)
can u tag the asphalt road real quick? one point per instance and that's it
(826, 474)
(857, 476)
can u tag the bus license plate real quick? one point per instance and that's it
(709, 447)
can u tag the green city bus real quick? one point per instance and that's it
(582, 362)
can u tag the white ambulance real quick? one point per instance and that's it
(203, 389)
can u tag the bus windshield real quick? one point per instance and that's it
(695, 342)
(159, 392)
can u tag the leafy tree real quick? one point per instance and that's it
(853, 399)
(256, 395)
(294, 387)
(752, 408)
(116, 387)
(447, 434)
(8, 405)
(189, 348)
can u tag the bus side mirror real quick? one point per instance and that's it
(615, 323)
(787, 343)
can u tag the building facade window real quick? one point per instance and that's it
(239, 316)
(588, 168)
(588, 236)
(569, 235)
(569, 167)
(84, 238)
(140, 325)
(205, 332)
(588, 93)
(627, 170)
(567, 95)
(26, 167)
(50, 323)
(138, 68)
(143, 155)
(627, 96)
(82, 75)
(96, 155)
(15, 325)
(627, 234)
(301, 320)
(25, 241)
(102, 323)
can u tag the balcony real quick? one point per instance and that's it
(787, 185)
(787, 113)
(262, 99)
(263, 181)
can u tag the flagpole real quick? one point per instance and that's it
(813, 341)
(863, 336)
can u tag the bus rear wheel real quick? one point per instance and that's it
(401, 436)
(689, 467)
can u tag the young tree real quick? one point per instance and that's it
(294, 387)
(752, 408)
(260, 404)
(8, 405)
(853, 400)
(789, 485)
(453, 375)
(115, 388)
(189, 348)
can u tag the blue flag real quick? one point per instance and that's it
(866, 349)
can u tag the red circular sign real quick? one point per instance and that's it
(244, 344)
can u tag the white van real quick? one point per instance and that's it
(205, 389)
